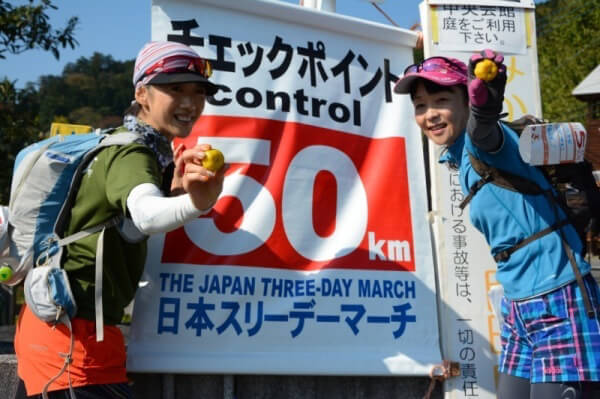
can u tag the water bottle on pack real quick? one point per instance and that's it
(553, 143)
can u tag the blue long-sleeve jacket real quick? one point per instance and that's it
(506, 217)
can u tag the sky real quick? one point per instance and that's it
(121, 27)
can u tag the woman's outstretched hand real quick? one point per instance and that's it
(487, 80)
(203, 185)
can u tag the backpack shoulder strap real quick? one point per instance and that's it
(516, 183)
(500, 178)
(121, 138)
(117, 138)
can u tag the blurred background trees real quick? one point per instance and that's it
(568, 39)
(92, 91)
(24, 27)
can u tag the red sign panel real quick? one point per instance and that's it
(329, 199)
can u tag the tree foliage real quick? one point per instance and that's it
(568, 42)
(92, 91)
(26, 27)
(18, 128)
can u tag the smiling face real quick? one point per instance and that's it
(442, 115)
(173, 108)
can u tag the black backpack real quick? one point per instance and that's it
(575, 192)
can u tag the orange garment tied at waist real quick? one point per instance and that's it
(38, 346)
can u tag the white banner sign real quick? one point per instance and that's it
(317, 258)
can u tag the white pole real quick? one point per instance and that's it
(323, 5)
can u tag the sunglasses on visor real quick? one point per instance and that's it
(178, 64)
(434, 64)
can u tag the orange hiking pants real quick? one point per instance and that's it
(38, 346)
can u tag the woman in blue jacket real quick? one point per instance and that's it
(551, 334)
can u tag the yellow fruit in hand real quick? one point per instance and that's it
(213, 160)
(486, 70)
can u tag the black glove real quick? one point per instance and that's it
(486, 97)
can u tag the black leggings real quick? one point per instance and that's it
(107, 391)
(511, 387)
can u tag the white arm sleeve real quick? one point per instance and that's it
(152, 212)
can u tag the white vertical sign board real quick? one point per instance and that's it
(493, 3)
(317, 258)
(470, 333)
(323, 5)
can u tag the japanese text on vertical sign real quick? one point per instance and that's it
(479, 24)
(459, 256)
(472, 28)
